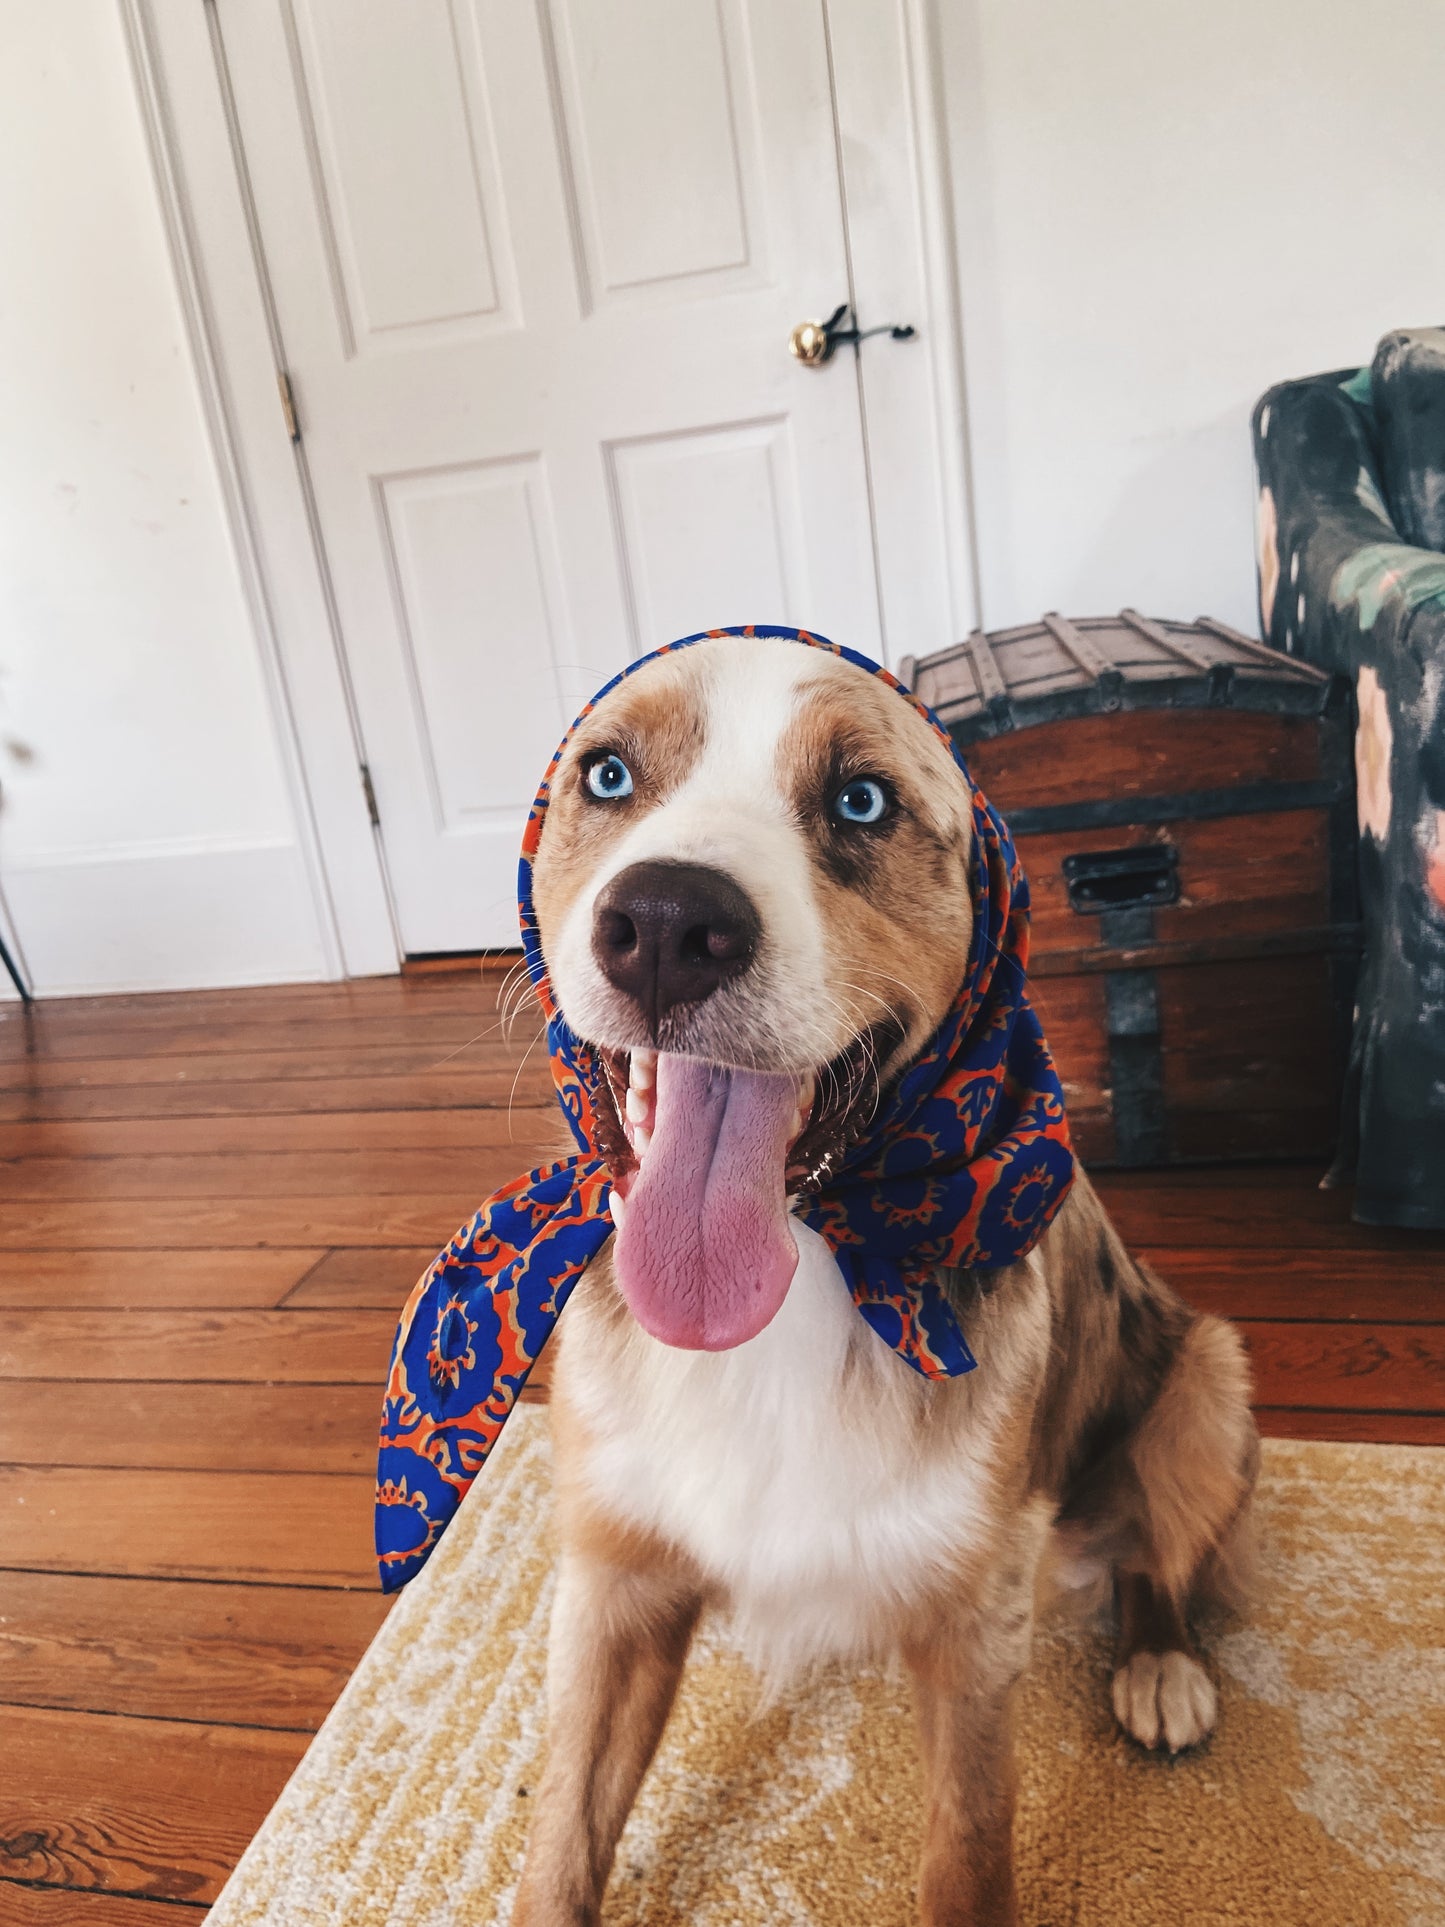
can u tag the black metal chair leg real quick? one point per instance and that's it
(15, 977)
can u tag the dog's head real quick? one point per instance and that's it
(752, 893)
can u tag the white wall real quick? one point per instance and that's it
(1163, 207)
(149, 839)
(1160, 208)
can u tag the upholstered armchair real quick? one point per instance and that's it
(1351, 527)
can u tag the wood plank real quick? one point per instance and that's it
(197, 1225)
(263, 1174)
(1288, 1175)
(390, 992)
(359, 992)
(1383, 1368)
(472, 1128)
(57, 1023)
(295, 1096)
(1072, 1010)
(1091, 957)
(344, 1279)
(263, 1003)
(349, 1156)
(65, 1907)
(1376, 1428)
(1235, 1210)
(1248, 1223)
(150, 1808)
(486, 1036)
(1249, 1057)
(1167, 751)
(249, 1655)
(295, 1528)
(287, 1347)
(131, 1280)
(442, 964)
(396, 1100)
(1241, 1039)
(192, 1427)
(1360, 1286)
(493, 1067)
(1237, 874)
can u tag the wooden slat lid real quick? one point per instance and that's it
(1057, 667)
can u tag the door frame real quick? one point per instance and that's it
(885, 74)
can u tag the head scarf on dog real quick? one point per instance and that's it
(964, 1165)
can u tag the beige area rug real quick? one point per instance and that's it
(1320, 1802)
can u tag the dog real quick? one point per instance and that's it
(754, 875)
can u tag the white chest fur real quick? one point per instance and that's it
(804, 1472)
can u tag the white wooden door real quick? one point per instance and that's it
(534, 269)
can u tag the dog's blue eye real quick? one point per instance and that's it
(610, 778)
(861, 801)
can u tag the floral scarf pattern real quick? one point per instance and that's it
(965, 1164)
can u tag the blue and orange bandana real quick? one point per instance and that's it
(964, 1165)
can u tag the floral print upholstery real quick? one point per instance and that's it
(1351, 527)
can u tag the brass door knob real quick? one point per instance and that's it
(810, 343)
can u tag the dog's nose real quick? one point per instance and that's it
(672, 933)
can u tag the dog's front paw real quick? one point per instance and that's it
(1165, 1700)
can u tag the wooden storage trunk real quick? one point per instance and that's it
(1183, 802)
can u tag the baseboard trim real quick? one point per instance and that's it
(170, 920)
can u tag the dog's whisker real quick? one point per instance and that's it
(510, 1016)
(515, 994)
(480, 1037)
(518, 974)
(505, 989)
(517, 1078)
(913, 996)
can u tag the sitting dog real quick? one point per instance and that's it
(757, 891)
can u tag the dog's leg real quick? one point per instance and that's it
(1194, 1458)
(1162, 1695)
(618, 1641)
(963, 1677)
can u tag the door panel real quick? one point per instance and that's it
(534, 268)
(711, 518)
(474, 554)
(689, 101)
(410, 206)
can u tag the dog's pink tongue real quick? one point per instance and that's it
(705, 1254)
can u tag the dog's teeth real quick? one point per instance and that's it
(642, 1070)
(637, 1106)
(618, 1207)
(807, 1091)
(641, 1138)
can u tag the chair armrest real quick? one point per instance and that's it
(1320, 509)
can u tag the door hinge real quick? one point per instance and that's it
(288, 404)
(368, 790)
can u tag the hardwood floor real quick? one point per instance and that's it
(212, 1208)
